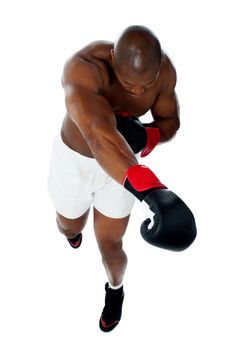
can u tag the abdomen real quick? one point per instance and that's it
(73, 138)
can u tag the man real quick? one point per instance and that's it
(92, 162)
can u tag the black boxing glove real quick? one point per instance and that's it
(174, 226)
(133, 131)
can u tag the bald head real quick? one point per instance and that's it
(138, 50)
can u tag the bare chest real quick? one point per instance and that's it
(121, 100)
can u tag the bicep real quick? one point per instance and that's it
(166, 105)
(165, 110)
(87, 108)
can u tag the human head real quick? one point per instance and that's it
(136, 58)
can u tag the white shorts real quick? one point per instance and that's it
(75, 182)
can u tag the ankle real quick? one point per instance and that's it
(115, 286)
(73, 236)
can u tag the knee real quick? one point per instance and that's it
(71, 227)
(66, 230)
(109, 248)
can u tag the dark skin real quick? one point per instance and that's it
(94, 88)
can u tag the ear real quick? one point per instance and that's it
(112, 55)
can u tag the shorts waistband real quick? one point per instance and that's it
(71, 153)
(76, 155)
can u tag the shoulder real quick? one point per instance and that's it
(86, 67)
(169, 75)
(96, 48)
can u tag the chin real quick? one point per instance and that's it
(135, 96)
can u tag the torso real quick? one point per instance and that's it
(98, 53)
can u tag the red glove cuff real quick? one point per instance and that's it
(142, 178)
(123, 113)
(153, 138)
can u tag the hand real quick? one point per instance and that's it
(133, 131)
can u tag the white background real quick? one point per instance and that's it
(52, 295)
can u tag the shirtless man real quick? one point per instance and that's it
(92, 163)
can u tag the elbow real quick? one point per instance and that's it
(175, 127)
(95, 140)
(169, 132)
(92, 139)
(94, 143)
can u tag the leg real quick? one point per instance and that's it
(71, 227)
(109, 233)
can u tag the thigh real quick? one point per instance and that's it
(109, 230)
(113, 200)
(69, 181)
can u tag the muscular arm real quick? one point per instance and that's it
(165, 111)
(94, 117)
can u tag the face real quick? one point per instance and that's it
(135, 85)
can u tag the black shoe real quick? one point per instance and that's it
(112, 310)
(76, 241)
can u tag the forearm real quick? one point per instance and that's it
(113, 154)
(167, 127)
